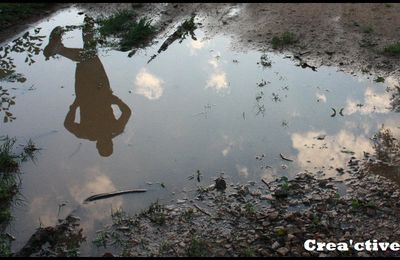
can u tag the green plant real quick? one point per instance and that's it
(392, 49)
(281, 232)
(5, 246)
(116, 23)
(156, 213)
(315, 221)
(287, 38)
(250, 209)
(188, 213)
(197, 247)
(380, 79)
(8, 160)
(123, 24)
(101, 239)
(356, 203)
(137, 34)
(249, 252)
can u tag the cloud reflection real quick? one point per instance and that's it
(148, 85)
(242, 170)
(330, 152)
(218, 81)
(373, 102)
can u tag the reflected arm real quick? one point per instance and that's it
(69, 122)
(125, 115)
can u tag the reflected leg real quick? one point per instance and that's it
(55, 46)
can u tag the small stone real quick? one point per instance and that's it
(275, 245)
(180, 201)
(170, 207)
(274, 215)
(283, 251)
(362, 254)
(291, 236)
(266, 197)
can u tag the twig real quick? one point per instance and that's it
(112, 194)
(266, 183)
(202, 210)
(286, 159)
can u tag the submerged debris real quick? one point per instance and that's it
(112, 194)
(285, 158)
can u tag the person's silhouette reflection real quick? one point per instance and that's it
(94, 96)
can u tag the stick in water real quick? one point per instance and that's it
(286, 159)
(112, 194)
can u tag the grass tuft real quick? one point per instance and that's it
(287, 38)
(392, 49)
(133, 33)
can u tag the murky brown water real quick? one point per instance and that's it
(110, 122)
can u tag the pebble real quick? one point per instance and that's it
(283, 251)
(275, 245)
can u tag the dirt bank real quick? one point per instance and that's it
(349, 36)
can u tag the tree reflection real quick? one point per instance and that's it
(395, 99)
(27, 44)
(386, 160)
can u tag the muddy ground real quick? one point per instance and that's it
(262, 219)
(348, 36)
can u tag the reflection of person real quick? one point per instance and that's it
(93, 93)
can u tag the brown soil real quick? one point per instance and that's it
(348, 36)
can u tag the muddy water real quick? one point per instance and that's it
(116, 123)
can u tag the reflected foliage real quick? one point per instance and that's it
(10, 184)
(62, 240)
(395, 99)
(387, 147)
(5, 103)
(386, 160)
(131, 32)
(185, 29)
(28, 45)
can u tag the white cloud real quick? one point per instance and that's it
(148, 85)
(373, 102)
(218, 81)
(328, 152)
(321, 97)
(242, 170)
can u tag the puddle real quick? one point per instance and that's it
(113, 122)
